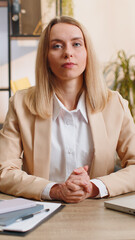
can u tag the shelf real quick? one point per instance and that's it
(3, 4)
(25, 37)
(4, 89)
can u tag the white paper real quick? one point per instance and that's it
(15, 204)
(30, 223)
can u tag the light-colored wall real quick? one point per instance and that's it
(3, 63)
(23, 55)
(23, 59)
(110, 23)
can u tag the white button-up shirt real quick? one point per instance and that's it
(71, 144)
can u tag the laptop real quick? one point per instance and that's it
(124, 204)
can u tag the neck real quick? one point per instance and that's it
(69, 93)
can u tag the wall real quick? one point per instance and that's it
(3, 63)
(110, 24)
(23, 54)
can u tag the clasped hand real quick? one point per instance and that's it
(76, 188)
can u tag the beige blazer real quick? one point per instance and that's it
(25, 148)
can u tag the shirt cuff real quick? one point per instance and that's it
(46, 192)
(102, 188)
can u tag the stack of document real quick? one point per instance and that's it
(21, 215)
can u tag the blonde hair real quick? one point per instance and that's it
(38, 98)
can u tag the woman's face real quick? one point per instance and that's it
(67, 54)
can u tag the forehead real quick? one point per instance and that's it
(66, 30)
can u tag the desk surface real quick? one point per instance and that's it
(82, 221)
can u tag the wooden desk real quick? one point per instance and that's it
(86, 220)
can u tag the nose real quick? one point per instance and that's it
(67, 55)
(68, 52)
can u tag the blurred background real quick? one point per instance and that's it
(111, 26)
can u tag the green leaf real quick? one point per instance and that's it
(122, 71)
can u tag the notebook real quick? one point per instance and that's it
(124, 204)
(11, 217)
(22, 227)
(11, 205)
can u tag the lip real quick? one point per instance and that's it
(68, 65)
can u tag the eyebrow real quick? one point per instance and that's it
(60, 40)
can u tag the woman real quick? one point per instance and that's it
(60, 137)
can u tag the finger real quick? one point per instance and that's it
(86, 167)
(70, 194)
(82, 179)
(73, 187)
(75, 197)
(82, 176)
(78, 181)
(88, 188)
(81, 170)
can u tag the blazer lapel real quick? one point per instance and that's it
(42, 144)
(102, 149)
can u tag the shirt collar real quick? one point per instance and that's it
(58, 107)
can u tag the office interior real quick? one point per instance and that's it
(110, 25)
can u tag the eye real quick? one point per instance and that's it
(77, 44)
(57, 46)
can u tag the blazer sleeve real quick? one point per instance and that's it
(123, 181)
(13, 180)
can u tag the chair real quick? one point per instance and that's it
(20, 84)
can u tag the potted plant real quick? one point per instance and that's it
(122, 75)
